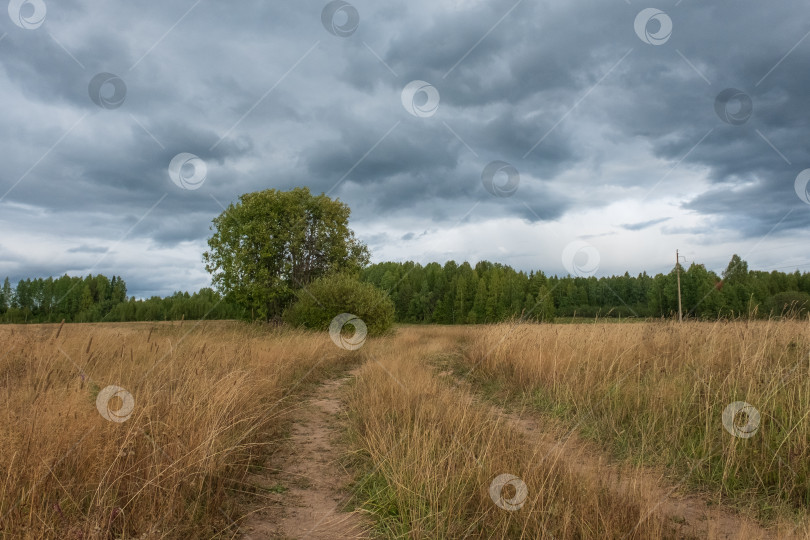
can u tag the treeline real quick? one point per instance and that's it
(447, 294)
(492, 292)
(99, 298)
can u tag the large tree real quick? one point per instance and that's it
(273, 242)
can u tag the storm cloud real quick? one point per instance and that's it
(640, 139)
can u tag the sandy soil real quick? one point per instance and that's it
(309, 468)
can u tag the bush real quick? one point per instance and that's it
(329, 296)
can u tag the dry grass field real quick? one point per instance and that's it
(210, 402)
(234, 431)
(656, 394)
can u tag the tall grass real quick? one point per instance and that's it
(654, 393)
(429, 452)
(210, 402)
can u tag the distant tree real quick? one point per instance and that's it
(87, 298)
(736, 271)
(700, 297)
(5, 296)
(119, 290)
(272, 243)
(420, 304)
(478, 314)
(492, 313)
(460, 306)
(544, 306)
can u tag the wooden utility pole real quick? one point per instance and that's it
(678, 273)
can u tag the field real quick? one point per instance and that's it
(229, 430)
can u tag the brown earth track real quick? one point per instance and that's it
(309, 467)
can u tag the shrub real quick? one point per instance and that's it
(329, 296)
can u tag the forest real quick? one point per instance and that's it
(447, 294)
(491, 292)
(102, 299)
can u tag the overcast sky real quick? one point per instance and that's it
(552, 135)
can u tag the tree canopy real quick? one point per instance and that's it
(271, 243)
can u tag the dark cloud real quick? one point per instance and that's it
(591, 117)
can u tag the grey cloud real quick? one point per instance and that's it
(87, 249)
(643, 224)
(238, 74)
